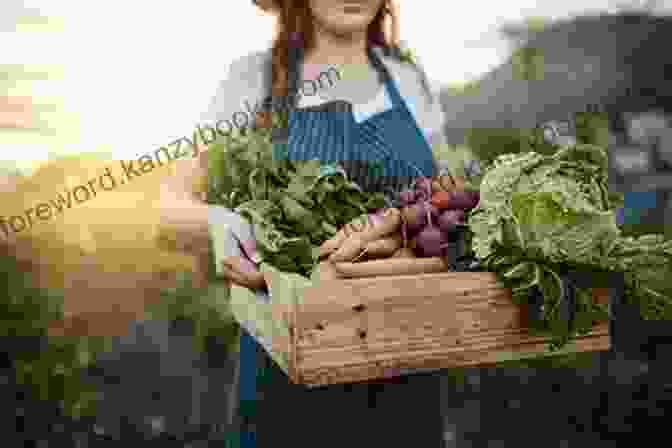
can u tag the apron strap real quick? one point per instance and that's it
(295, 62)
(386, 77)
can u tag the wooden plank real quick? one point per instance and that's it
(411, 318)
(403, 349)
(440, 359)
(361, 329)
(342, 297)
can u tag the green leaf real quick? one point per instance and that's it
(532, 278)
(298, 214)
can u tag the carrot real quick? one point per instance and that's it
(392, 266)
(391, 222)
(383, 247)
(459, 183)
(414, 216)
(447, 182)
(331, 245)
(404, 252)
(325, 271)
(351, 248)
(362, 228)
(411, 244)
(358, 224)
(436, 186)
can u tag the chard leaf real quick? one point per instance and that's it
(294, 206)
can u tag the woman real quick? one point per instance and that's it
(379, 110)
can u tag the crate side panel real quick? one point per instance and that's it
(439, 355)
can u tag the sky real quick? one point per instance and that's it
(138, 74)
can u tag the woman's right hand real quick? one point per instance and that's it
(242, 272)
(235, 248)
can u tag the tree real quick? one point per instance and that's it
(640, 6)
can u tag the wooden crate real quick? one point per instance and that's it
(341, 331)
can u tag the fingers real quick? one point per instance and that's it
(236, 271)
(249, 279)
(232, 275)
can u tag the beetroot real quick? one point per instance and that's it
(461, 200)
(434, 212)
(421, 195)
(423, 189)
(450, 219)
(407, 197)
(475, 198)
(430, 240)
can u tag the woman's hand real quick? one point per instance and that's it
(242, 272)
(235, 248)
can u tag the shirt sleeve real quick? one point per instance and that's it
(239, 95)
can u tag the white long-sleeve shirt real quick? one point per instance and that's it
(244, 87)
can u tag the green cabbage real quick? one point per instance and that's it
(540, 216)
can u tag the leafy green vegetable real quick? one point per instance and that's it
(542, 215)
(294, 206)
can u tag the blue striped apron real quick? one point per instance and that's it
(382, 153)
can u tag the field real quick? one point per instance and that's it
(104, 252)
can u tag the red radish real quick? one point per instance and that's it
(441, 200)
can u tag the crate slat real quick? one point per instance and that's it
(441, 355)
(361, 329)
